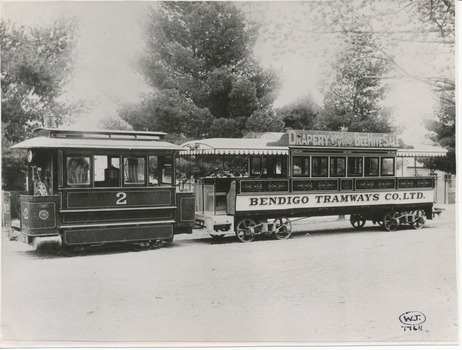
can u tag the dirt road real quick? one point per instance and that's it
(335, 285)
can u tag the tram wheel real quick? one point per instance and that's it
(282, 228)
(158, 243)
(357, 221)
(419, 219)
(170, 240)
(245, 231)
(391, 221)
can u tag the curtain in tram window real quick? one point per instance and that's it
(134, 170)
(78, 170)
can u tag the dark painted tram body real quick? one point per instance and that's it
(92, 188)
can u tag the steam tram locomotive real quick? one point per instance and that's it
(303, 174)
(89, 188)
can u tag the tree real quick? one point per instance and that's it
(443, 128)
(265, 121)
(201, 53)
(301, 114)
(167, 111)
(352, 99)
(416, 37)
(36, 61)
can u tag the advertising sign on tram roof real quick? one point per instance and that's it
(342, 139)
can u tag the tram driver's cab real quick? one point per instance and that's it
(41, 173)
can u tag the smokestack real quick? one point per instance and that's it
(49, 122)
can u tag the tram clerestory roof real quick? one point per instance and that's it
(56, 138)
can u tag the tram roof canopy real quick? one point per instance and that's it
(422, 151)
(105, 139)
(232, 146)
(267, 143)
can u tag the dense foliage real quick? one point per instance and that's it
(302, 114)
(403, 40)
(198, 58)
(36, 62)
(353, 99)
(443, 128)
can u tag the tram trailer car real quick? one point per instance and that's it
(91, 188)
(305, 173)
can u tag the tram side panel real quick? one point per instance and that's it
(273, 198)
(117, 215)
(39, 220)
(185, 213)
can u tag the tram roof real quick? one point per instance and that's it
(422, 151)
(104, 139)
(232, 146)
(270, 143)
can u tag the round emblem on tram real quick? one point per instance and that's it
(43, 214)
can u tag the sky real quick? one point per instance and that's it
(110, 37)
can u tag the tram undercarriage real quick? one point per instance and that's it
(247, 228)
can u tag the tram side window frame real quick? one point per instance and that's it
(305, 166)
(336, 168)
(129, 173)
(81, 164)
(317, 166)
(383, 167)
(255, 166)
(111, 170)
(161, 170)
(276, 166)
(367, 166)
(353, 164)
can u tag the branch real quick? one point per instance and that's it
(450, 42)
(351, 31)
(426, 81)
(396, 12)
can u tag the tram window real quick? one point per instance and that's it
(255, 166)
(388, 166)
(320, 166)
(134, 170)
(371, 166)
(43, 177)
(153, 170)
(165, 171)
(78, 170)
(355, 166)
(160, 170)
(337, 166)
(276, 166)
(107, 171)
(301, 166)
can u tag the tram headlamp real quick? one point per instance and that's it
(43, 214)
(30, 155)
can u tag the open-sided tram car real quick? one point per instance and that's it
(92, 188)
(304, 174)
